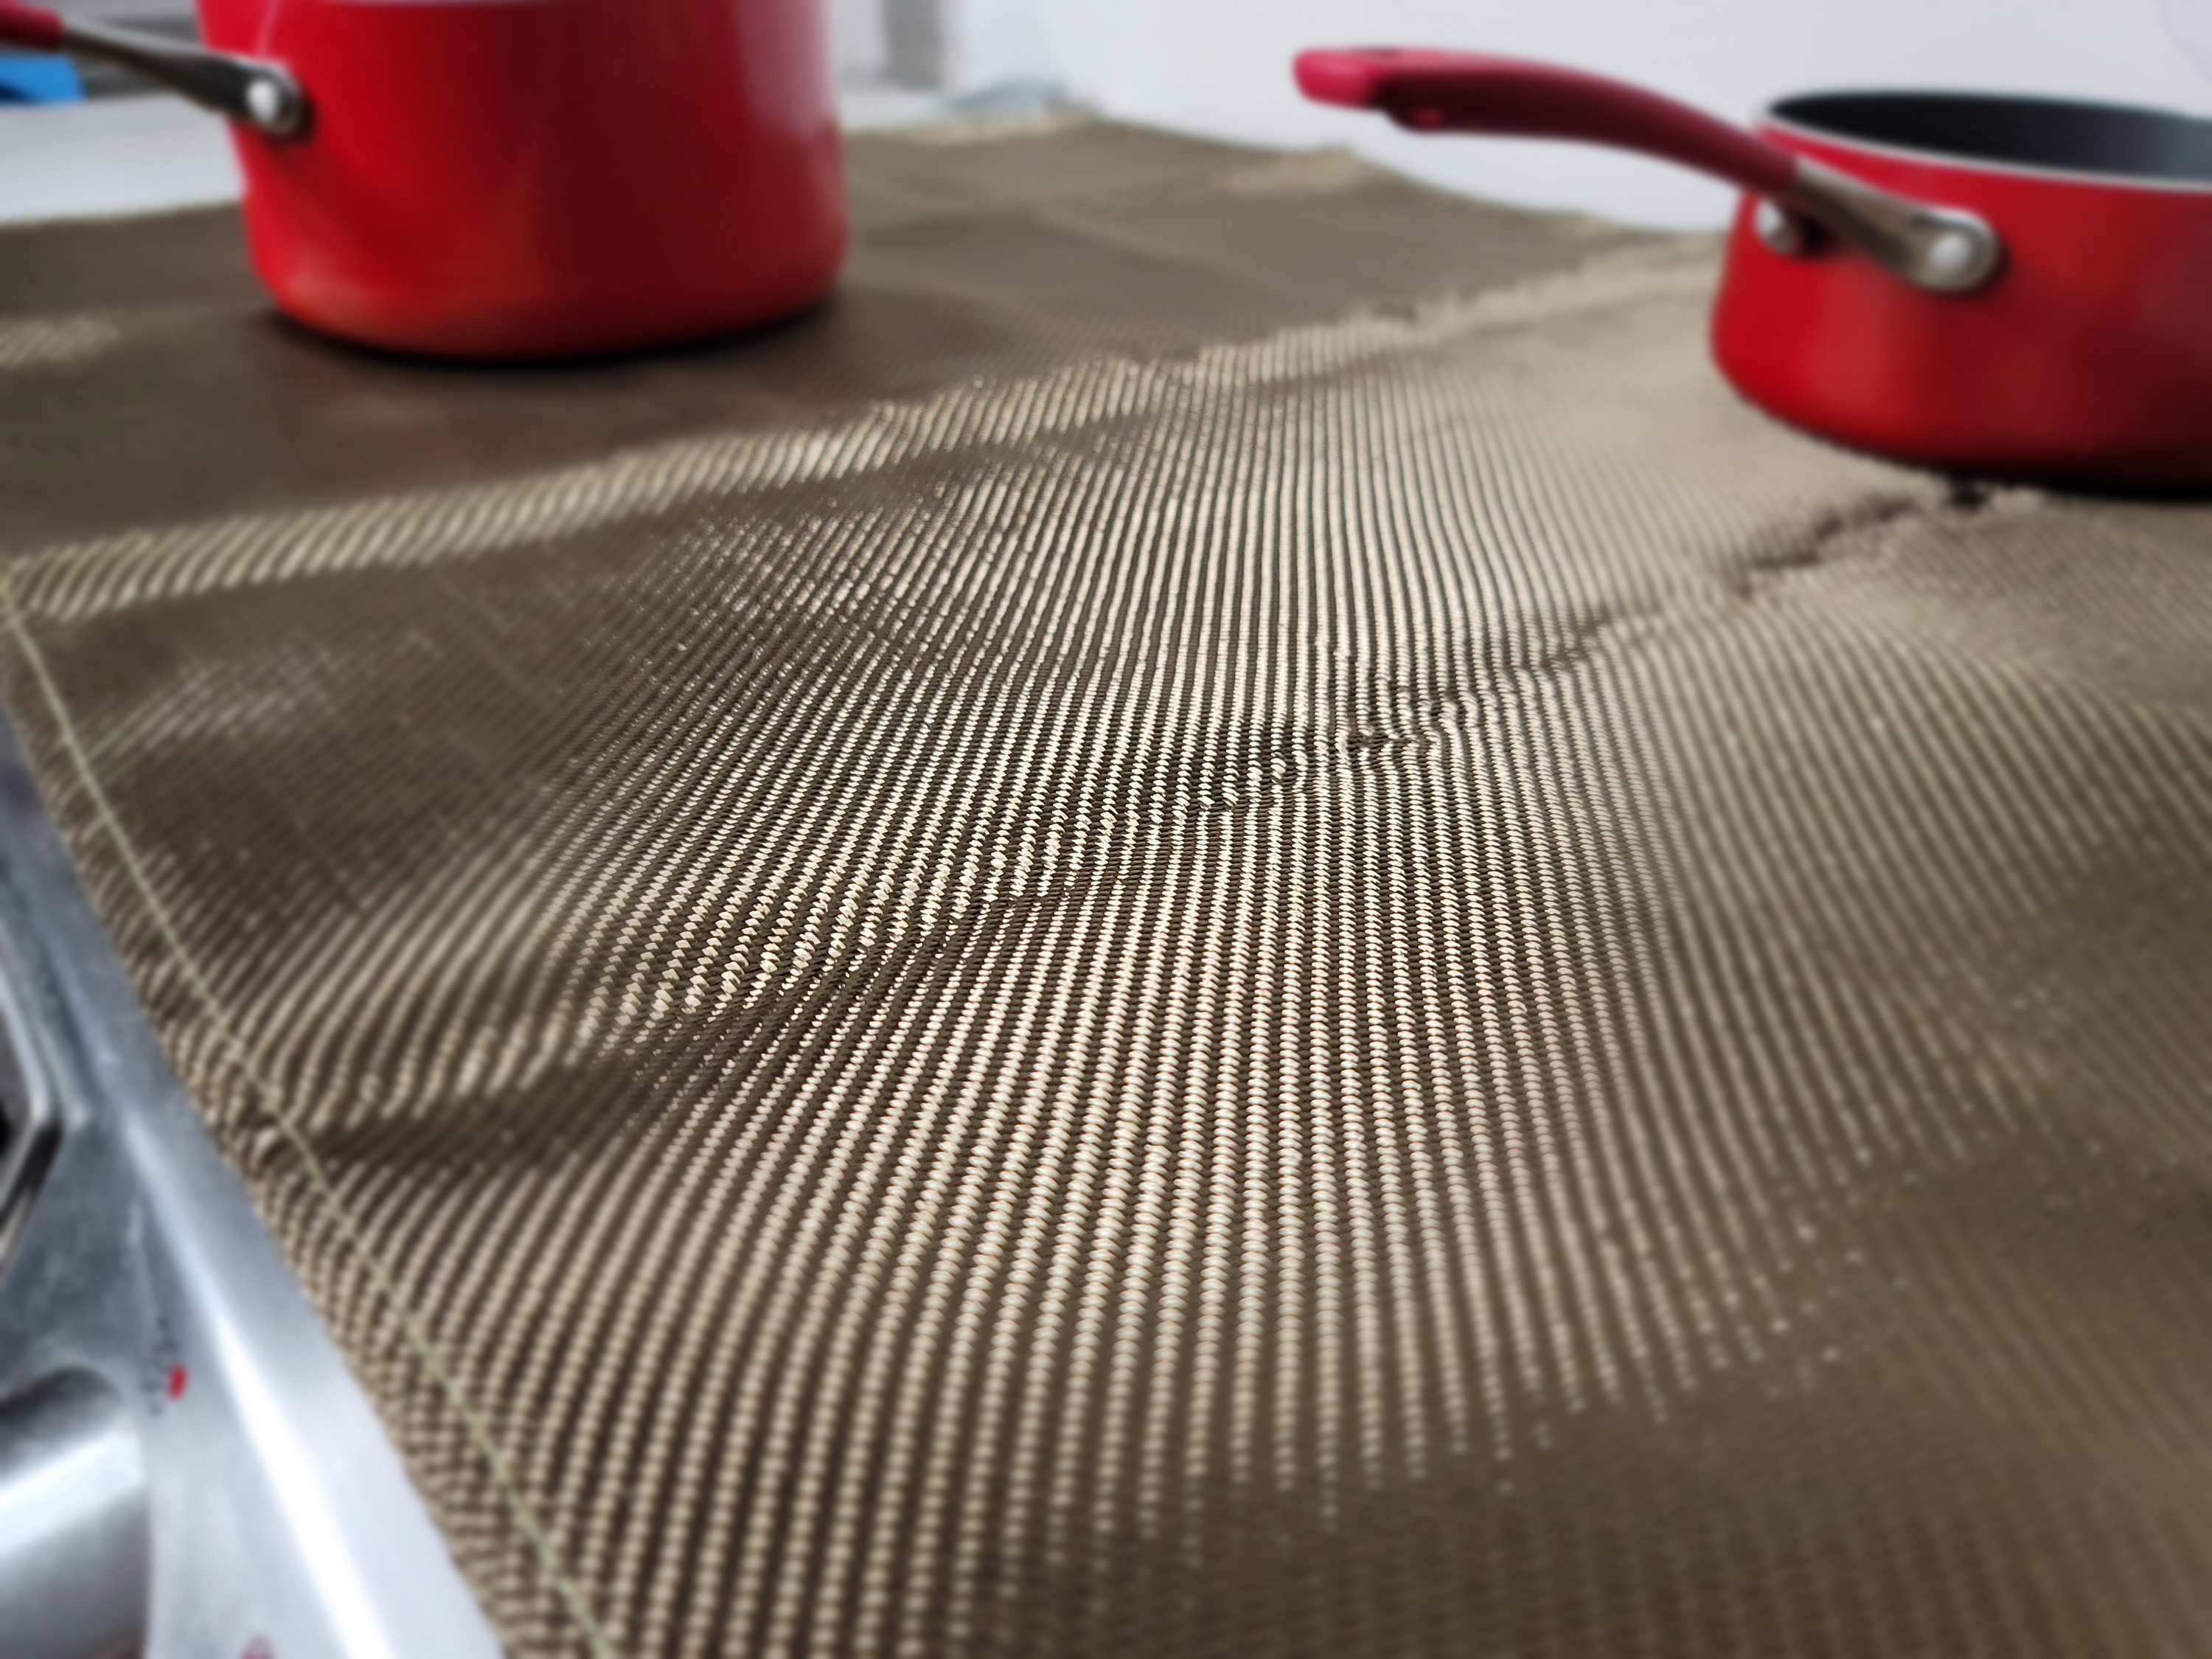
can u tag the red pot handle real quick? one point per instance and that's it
(1508, 97)
(1940, 249)
(30, 27)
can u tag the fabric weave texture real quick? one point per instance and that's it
(1221, 923)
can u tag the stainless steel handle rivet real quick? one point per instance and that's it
(265, 102)
(1782, 230)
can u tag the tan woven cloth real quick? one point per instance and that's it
(1223, 924)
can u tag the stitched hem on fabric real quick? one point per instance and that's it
(264, 1096)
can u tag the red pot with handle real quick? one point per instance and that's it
(2012, 287)
(516, 177)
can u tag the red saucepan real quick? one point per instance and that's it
(520, 177)
(2012, 287)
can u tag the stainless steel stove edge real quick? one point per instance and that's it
(150, 1332)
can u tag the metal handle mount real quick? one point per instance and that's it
(1943, 250)
(262, 94)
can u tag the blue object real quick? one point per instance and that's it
(38, 78)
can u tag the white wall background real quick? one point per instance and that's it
(1222, 67)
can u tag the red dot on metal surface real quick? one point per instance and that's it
(178, 1379)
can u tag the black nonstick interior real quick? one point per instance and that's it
(2031, 133)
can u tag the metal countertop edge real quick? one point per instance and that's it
(283, 1524)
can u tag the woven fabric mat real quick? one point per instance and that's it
(1221, 923)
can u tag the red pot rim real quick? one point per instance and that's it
(1777, 118)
